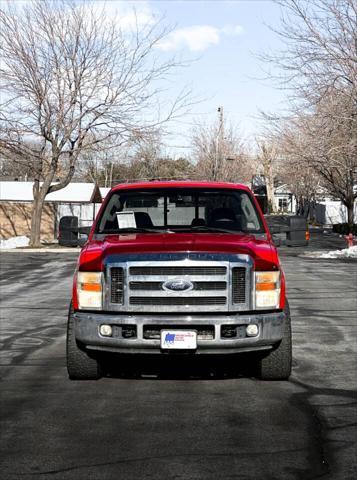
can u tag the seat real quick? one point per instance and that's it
(222, 215)
(224, 218)
(198, 222)
(143, 220)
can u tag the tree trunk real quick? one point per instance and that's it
(40, 192)
(269, 179)
(350, 215)
(270, 195)
(39, 195)
(37, 207)
(269, 182)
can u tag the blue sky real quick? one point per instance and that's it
(228, 36)
(223, 38)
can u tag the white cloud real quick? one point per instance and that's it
(232, 30)
(138, 13)
(197, 38)
(127, 14)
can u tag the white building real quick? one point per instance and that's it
(284, 200)
(326, 211)
(77, 199)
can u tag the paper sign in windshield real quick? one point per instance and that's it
(126, 219)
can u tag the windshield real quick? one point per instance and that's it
(181, 210)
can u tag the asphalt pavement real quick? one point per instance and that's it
(186, 419)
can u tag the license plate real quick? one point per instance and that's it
(179, 339)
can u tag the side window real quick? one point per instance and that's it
(251, 217)
(109, 218)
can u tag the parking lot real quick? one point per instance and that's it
(163, 419)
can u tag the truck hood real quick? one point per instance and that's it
(95, 251)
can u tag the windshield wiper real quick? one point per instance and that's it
(205, 228)
(118, 231)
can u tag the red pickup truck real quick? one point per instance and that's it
(179, 267)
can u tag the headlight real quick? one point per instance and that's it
(89, 290)
(267, 290)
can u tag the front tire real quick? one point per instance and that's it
(277, 364)
(80, 365)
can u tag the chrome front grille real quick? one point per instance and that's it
(153, 301)
(178, 270)
(116, 285)
(238, 284)
(219, 284)
(196, 285)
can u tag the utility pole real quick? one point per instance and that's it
(221, 126)
(219, 143)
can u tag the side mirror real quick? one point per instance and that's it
(82, 240)
(84, 230)
(83, 233)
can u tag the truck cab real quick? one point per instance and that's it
(179, 267)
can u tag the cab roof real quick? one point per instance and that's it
(179, 184)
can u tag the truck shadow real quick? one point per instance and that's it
(179, 367)
(333, 426)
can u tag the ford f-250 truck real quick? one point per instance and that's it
(179, 267)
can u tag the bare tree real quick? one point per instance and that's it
(149, 161)
(219, 153)
(323, 142)
(320, 55)
(142, 159)
(319, 66)
(279, 159)
(17, 167)
(72, 79)
(97, 164)
(303, 183)
(268, 158)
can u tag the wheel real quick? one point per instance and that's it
(277, 364)
(80, 365)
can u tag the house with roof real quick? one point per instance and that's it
(104, 191)
(284, 200)
(326, 210)
(330, 211)
(77, 199)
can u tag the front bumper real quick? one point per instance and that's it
(87, 326)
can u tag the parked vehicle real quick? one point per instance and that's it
(185, 267)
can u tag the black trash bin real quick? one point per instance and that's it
(297, 234)
(68, 231)
(292, 230)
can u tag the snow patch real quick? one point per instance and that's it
(345, 253)
(14, 242)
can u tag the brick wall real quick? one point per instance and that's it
(15, 220)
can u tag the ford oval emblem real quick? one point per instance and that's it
(178, 285)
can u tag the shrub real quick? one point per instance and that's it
(344, 229)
